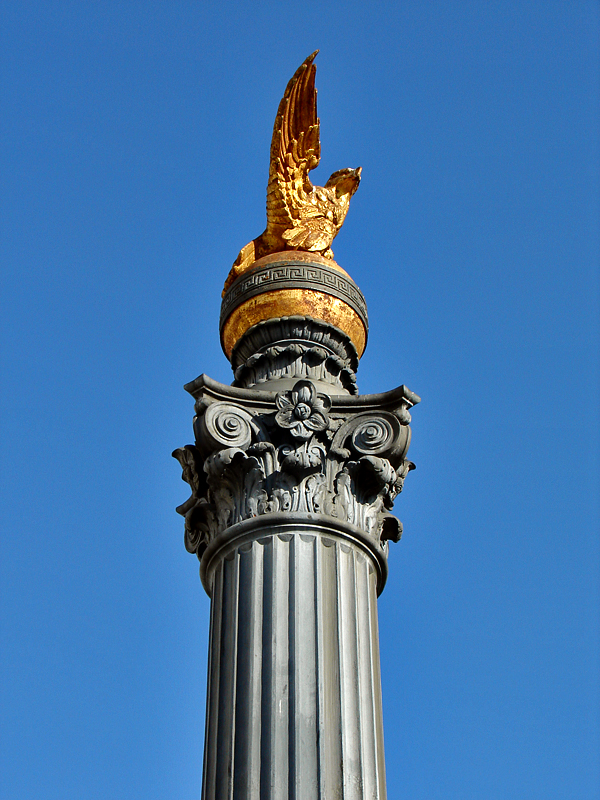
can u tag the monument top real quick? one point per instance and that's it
(289, 269)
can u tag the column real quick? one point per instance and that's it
(290, 518)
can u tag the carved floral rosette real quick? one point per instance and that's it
(299, 450)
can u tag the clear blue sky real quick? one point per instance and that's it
(134, 150)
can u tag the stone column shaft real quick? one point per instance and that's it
(292, 487)
(294, 695)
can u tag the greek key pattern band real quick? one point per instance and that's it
(294, 275)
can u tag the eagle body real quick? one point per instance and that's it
(300, 216)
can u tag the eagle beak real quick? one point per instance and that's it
(357, 172)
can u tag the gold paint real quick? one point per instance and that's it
(289, 303)
(300, 216)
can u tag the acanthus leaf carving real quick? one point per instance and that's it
(289, 453)
(236, 485)
(200, 520)
(303, 458)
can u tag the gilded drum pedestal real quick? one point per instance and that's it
(293, 283)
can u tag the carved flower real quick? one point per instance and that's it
(302, 410)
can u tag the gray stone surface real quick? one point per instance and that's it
(294, 696)
(295, 450)
(290, 516)
(291, 348)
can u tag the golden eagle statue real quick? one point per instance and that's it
(300, 216)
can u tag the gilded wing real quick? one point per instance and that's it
(295, 150)
(299, 215)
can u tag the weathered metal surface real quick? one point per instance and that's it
(299, 256)
(291, 302)
(313, 279)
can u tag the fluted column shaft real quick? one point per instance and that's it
(290, 518)
(294, 694)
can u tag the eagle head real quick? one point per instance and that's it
(344, 181)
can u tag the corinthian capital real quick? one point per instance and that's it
(261, 452)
